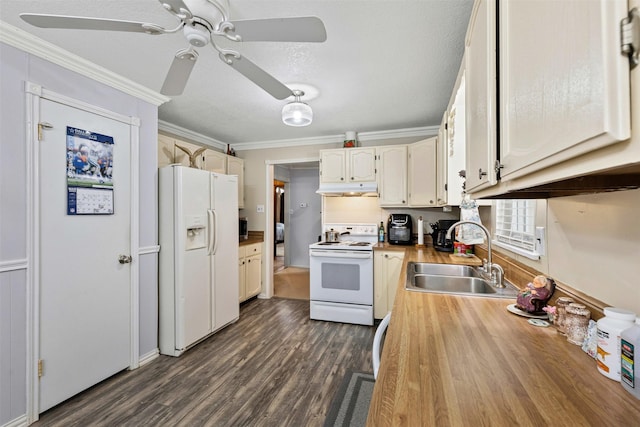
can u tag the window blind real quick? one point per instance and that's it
(515, 223)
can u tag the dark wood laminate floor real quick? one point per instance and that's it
(274, 367)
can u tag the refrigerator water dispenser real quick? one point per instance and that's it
(196, 226)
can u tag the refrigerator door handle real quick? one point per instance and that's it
(210, 226)
(215, 232)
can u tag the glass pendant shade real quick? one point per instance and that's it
(297, 113)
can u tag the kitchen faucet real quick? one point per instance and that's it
(496, 279)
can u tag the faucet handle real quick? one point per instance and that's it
(485, 265)
(497, 277)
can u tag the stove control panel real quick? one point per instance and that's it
(353, 229)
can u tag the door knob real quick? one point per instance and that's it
(125, 259)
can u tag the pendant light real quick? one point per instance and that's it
(297, 113)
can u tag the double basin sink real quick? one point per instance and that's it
(453, 279)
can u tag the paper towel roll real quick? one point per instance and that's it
(420, 232)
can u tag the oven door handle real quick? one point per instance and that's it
(341, 254)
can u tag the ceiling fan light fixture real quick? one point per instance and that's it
(297, 113)
(196, 34)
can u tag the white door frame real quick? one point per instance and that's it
(267, 289)
(34, 94)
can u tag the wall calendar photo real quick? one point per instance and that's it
(89, 173)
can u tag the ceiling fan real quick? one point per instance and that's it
(200, 21)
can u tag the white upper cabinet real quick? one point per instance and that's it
(392, 182)
(441, 163)
(333, 166)
(215, 161)
(346, 165)
(480, 96)
(564, 85)
(166, 145)
(422, 173)
(235, 166)
(361, 164)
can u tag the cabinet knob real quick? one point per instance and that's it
(403, 201)
(341, 179)
(248, 260)
(386, 255)
(431, 201)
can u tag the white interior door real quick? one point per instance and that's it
(85, 292)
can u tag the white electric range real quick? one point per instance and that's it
(341, 275)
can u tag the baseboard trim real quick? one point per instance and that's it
(149, 357)
(18, 422)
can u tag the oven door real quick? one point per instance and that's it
(341, 276)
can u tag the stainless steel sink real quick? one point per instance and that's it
(453, 279)
(444, 269)
(472, 285)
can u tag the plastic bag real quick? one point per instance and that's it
(469, 234)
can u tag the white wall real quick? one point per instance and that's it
(594, 245)
(366, 210)
(17, 67)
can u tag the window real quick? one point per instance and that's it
(515, 227)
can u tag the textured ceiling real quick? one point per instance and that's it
(386, 65)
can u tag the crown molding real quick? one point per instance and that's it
(196, 137)
(420, 132)
(36, 46)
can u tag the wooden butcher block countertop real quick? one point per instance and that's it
(456, 360)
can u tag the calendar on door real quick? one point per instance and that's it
(89, 173)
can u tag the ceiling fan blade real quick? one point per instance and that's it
(303, 29)
(260, 77)
(85, 23)
(179, 72)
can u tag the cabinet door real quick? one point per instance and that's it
(332, 166)
(393, 261)
(235, 166)
(165, 150)
(242, 279)
(441, 163)
(386, 269)
(563, 92)
(362, 164)
(215, 161)
(392, 175)
(253, 275)
(422, 173)
(480, 96)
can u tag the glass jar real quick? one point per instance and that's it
(561, 312)
(576, 323)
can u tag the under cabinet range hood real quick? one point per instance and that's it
(366, 189)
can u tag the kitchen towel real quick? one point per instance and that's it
(469, 234)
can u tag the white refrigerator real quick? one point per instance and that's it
(198, 262)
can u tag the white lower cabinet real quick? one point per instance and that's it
(250, 271)
(387, 265)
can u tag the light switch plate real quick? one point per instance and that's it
(541, 243)
(260, 209)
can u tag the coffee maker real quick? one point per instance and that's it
(439, 235)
